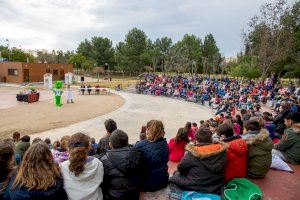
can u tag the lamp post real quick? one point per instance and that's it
(204, 63)
(194, 67)
(107, 65)
(8, 46)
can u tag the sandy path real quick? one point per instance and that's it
(42, 116)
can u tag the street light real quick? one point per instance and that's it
(194, 67)
(204, 63)
(107, 65)
(8, 46)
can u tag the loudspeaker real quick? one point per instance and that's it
(82, 78)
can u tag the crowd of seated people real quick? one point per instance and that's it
(208, 157)
(222, 94)
(88, 89)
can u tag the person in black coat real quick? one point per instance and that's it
(121, 169)
(202, 167)
(103, 145)
(155, 156)
(38, 177)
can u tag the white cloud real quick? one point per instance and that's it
(56, 24)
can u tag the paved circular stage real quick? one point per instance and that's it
(136, 111)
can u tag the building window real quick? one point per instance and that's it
(55, 72)
(13, 72)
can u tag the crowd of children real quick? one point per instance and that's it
(222, 94)
(208, 157)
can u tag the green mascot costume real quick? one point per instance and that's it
(58, 92)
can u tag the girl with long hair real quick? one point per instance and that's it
(82, 174)
(177, 145)
(38, 176)
(6, 166)
(190, 131)
(155, 153)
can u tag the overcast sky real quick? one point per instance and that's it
(62, 24)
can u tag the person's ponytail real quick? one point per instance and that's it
(78, 149)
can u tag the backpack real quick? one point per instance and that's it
(199, 196)
(242, 189)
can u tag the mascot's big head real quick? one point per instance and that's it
(58, 84)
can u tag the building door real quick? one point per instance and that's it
(4, 79)
(26, 75)
(62, 74)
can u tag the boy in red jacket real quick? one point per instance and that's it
(236, 153)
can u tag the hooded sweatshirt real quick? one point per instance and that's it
(236, 154)
(87, 184)
(21, 148)
(259, 154)
(202, 168)
(289, 145)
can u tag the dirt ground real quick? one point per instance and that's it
(44, 115)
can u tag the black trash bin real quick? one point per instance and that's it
(20, 97)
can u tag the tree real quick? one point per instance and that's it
(177, 60)
(16, 54)
(58, 56)
(99, 50)
(162, 46)
(85, 48)
(211, 54)
(193, 46)
(269, 36)
(78, 61)
(154, 52)
(121, 59)
(145, 59)
(102, 51)
(246, 67)
(136, 45)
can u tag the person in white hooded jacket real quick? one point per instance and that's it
(82, 175)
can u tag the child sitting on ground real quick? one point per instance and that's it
(62, 154)
(177, 145)
(195, 127)
(288, 148)
(259, 149)
(236, 154)
(202, 167)
(23, 145)
(121, 169)
(155, 154)
(82, 174)
(190, 131)
(213, 128)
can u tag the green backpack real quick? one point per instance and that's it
(241, 189)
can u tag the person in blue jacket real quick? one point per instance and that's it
(154, 157)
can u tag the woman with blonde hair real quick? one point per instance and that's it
(82, 174)
(155, 153)
(38, 177)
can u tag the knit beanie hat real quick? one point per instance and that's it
(25, 138)
(294, 116)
